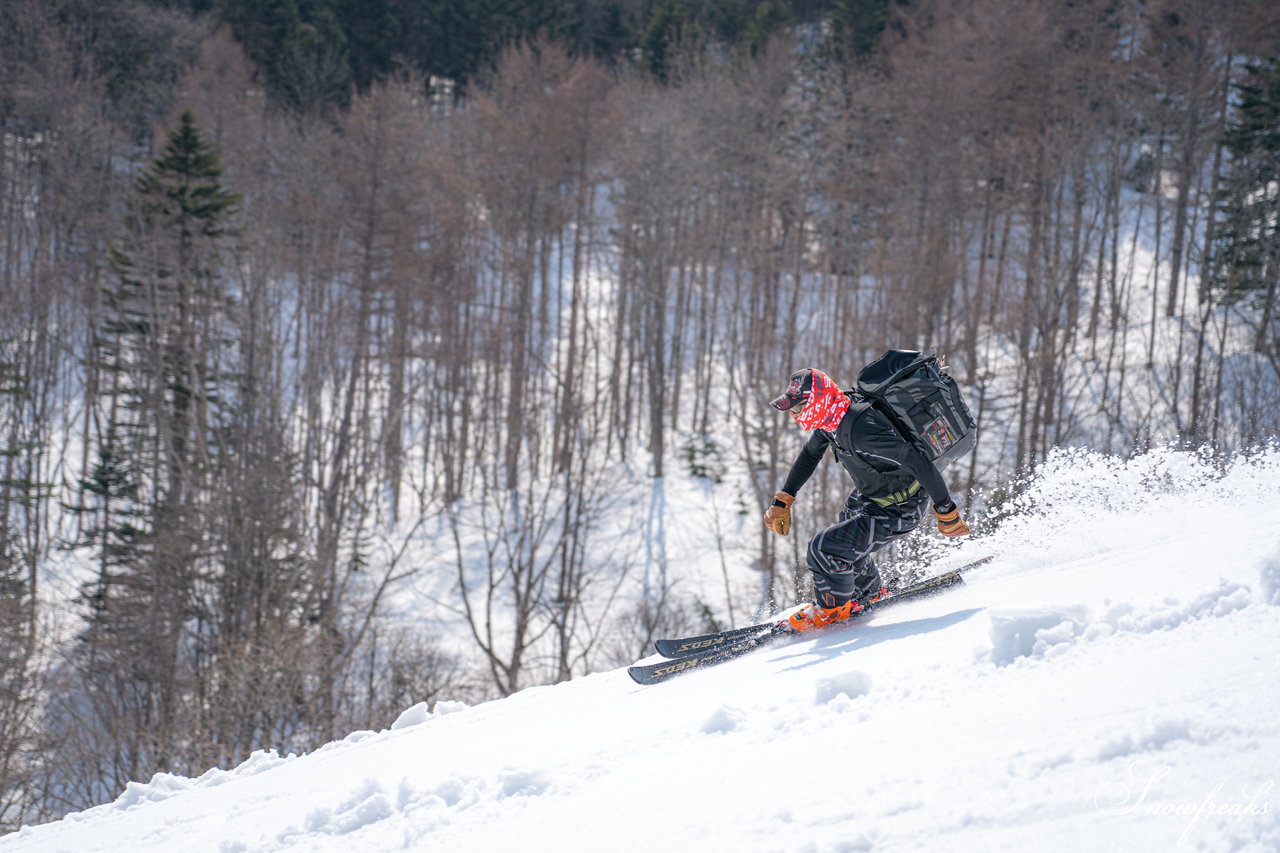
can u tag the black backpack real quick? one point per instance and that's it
(922, 402)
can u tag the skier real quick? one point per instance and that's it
(893, 482)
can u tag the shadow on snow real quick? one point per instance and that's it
(858, 637)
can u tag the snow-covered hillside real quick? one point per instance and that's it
(1108, 682)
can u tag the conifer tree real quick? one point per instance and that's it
(20, 496)
(770, 17)
(164, 350)
(302, 49)
(14, 491)
(1246, 257)
(671, 26)
(856, 27)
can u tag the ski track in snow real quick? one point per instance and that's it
(1109, 681)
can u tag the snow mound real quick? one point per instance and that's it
(1045, 633)
(847, 685)
(414, 715)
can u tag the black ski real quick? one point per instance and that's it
(709, 649)
(685, 646)
(656, 672)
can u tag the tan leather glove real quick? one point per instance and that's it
(949, 521)
(778, 516)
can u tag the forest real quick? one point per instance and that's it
(287, 286)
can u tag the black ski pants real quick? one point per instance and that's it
(840, 555)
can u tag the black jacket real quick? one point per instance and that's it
(875, 454)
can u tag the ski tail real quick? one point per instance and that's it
(656, 672)
(684, 646)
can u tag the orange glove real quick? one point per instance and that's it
(778, 516)
(949, 521)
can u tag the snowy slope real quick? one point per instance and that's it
(1108, 682)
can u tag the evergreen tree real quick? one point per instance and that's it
(164, 352)
(856, 27)
(373, 33)
(1246, 252)
(771, 17)
(15, 491)
(313, 52)
(312, 69)
(171, 325)
(21, 496)
(671, 27)
(730, 20)
(451, 38)
(303, 49)
(111, 523)
(460, 39)
(610, 32)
